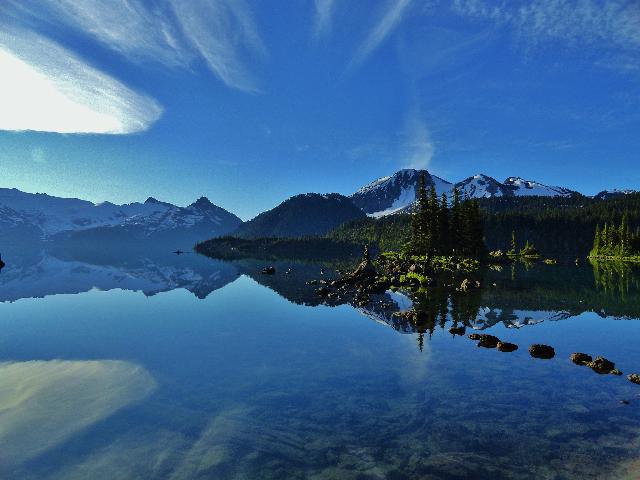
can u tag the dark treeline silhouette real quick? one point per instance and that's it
(438, 228)
(555, 225)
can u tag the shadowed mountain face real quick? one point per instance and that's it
(302, 215)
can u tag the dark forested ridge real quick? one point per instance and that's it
(556, 225)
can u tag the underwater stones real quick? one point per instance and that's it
(268, 270)
(457, 330)
(580, 358)
(603, 366)
(506, 347)
(474, 336)
(538, 350)
(634, 378)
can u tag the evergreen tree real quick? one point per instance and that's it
(514, 244)
(595, 251)
(419, 219)
(455, 222)
(443, 220)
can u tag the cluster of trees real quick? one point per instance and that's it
(558, 226)
(438, 228)
(616, 241)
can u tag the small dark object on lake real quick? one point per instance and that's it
(488, 341)
(178, 252)
(603, 366)
(268, 270)
(542, 351)
(634, 378)
(457, 330)
(580, 358)
(474, 336)
(2, 264)
(507, 347)
(624, 402)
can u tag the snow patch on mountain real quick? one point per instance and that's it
(531, 188)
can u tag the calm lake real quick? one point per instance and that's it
(180, 367)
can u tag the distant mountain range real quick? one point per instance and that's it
(39, 217)
(43, 217)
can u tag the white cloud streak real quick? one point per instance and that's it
(172, 33)
(419, 148)
(390, 20)
(324, 13)
(605, 23)
(44, 87)
(220, 32)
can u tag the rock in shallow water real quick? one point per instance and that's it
(634, 378)
(542, 351)
(580, 358)
(507, 347)
(603, 366)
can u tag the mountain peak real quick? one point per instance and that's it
(202, 202)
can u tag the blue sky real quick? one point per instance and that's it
(251, 102)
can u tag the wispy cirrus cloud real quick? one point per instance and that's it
(141, 31)
(170, 32)
(602, 23)
(323, 14)
(222, 32)
(418, 147)
(45, 87)
(390, 19)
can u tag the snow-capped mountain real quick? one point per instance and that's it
(615, 193)
(522, 188)
(45, 216)
(482, 186)
(395, 194)
(392, 194)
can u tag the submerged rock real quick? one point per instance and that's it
(603, 366)
(474, 336)
(634, 378)
(488, 341)
(268, 270)
(539, 350)
(507, 347)
(457, 330)
(580, 358)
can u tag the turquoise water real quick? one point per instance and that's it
(185, 367)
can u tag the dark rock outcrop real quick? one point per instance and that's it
(507, 347)
(603, 366)
(542, 351)
(268, 270)
(580, 358)
(634, 378)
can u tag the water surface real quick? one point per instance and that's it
(163, 366)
